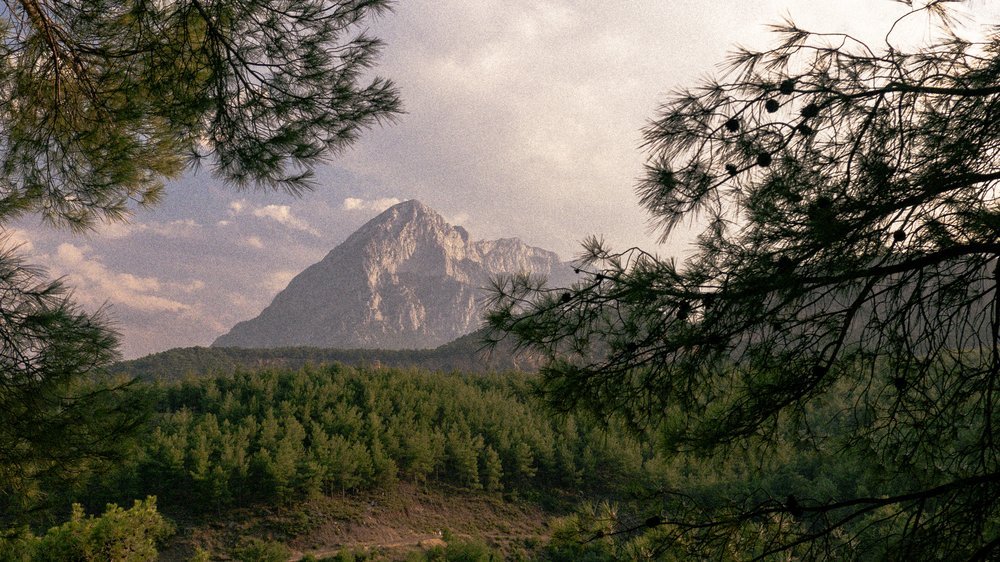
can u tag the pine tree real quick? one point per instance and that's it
(349, 464)
(418, 454)
(126, 535)
(522, 462)
(849, 199)
(491, 470)
(101, 102)
(462, 459)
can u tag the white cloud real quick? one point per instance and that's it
(283, 214)
(173, 229)
(462, 218)
(378, 205)
(239, 301)
(114, 230)
(253, 242)
(94, 284)
(236, 207)
(191, 287)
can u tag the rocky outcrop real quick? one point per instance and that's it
(405, 280)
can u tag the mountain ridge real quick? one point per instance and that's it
(405, 280)
(467, 354)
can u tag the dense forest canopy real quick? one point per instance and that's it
(267, 438)
(264, 438)
(849, 197)
(273, 436)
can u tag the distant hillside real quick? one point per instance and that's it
(465, 354)
(405, 280)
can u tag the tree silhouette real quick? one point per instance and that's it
(843, 295)
(55, 418)
(104, 99)
(100, 102)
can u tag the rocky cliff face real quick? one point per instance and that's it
(405, 280)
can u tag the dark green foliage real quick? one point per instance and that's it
(258, 550)
(584, 537)
(276, 436)
(491, 469)
(56, 419)
(121, 535)
(842, 308)
(105, 99)
(458, 551)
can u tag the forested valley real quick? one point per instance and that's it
(278, 439)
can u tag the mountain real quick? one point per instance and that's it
(405, 280)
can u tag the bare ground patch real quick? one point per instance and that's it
(390, 523)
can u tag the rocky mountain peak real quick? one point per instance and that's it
(406, 279)
(412, 236)
(410, 213)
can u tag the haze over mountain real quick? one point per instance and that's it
(405, 280)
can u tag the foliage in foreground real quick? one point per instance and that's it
(58, 414)
(119, 535)
(849, 198)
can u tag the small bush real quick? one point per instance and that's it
(257, 550)
(119, 535)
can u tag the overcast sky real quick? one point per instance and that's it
(523, 120)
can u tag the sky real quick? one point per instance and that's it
(523, 119)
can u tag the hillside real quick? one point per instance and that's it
(382, 524)
(322, 459)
